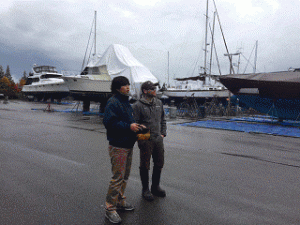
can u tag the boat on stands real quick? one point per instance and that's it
(44, 82)
(202, 87)
(94, 82)
(205, 86)
(276, 94)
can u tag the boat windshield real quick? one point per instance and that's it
(41, 69)
(32, 80)
(94, 71)
(45, 76)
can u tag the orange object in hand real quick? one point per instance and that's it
(143, 137)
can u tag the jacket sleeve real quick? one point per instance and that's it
(163, 122)
(136, 111)
(111, 119)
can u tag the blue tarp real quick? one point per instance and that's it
(261, 125)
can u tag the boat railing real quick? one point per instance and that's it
(69, 73)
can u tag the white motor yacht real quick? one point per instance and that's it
(45, 82)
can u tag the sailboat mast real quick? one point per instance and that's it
(229, 56)
(212, 43)
(95, 33)
(205, 48)
(255, 59)
(168, 69)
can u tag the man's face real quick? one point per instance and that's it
(150, 93)
(125, 89)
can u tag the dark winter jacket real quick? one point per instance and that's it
(118, 116)
(152, 115)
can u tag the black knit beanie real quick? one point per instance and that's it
(118, 82)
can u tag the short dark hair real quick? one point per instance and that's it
(118, 82)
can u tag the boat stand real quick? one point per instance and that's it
(298, 117)
(273, 111)
(86, 105)
(76, 106)
(48, 108)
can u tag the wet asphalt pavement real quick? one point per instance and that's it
(55, 169)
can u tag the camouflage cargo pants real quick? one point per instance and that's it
(121, 164)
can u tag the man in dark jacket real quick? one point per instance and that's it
(149, 111)
(121, 134)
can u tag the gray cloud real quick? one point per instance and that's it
(57, 32)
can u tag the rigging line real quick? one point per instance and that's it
(184, 49)
(212, 31)
(248, 60)
(82, 67)
(230, 60)
(205, 42)
(196, 61)
(90, 53)
(185, 44)
(217, 58)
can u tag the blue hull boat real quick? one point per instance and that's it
(276, 94)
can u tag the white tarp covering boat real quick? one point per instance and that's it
(117, 60)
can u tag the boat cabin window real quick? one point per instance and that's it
(41, 69)
(32, 80)
(94, 70)
(50, 76)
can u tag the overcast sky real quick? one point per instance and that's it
(56, 33)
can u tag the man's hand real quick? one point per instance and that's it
(134, 127)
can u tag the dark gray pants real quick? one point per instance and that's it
(153, 147)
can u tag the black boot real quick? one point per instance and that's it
(144, 173)
(155, 188)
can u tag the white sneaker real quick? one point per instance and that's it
(113, 216)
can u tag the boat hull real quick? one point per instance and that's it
(265, 88)
(197, 94)
(285, 109)
(46, 91)
(201, 96)
(84, 88)
(276, 94)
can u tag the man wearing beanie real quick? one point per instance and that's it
(149, 111)
(121, 134)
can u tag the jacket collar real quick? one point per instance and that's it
(122, 97)
(146, 101)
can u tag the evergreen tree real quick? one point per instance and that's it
(1, 72)
(24, 75)
(8, 75)
(23, 79)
